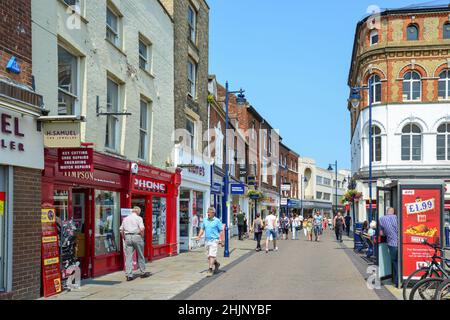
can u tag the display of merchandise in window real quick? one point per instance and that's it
(107, 211)
(159, 221)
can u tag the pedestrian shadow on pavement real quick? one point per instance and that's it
(100, 282)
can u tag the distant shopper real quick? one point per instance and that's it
(309, 227)
(240, 223)
(389, 228)
(339, 225)
(132, 231)
(245, 227)
(258, 230)
(317, 225)
(296, 226)
(325, 223)
(271, 227)
(213, 230)
(284, 227)
(348, 221)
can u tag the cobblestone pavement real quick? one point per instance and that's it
(170, 277)
(299, 270)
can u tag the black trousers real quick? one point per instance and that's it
(258, 236)
(241, 231)
(347, 228)
(338, 231)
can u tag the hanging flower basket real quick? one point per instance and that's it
(255, 194)
(351, 195)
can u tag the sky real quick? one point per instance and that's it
(292, 57)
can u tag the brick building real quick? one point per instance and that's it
(288, 174)
(22, 157)
(405, 52)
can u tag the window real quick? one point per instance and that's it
(376, 144)
(145, 55)
(412, 86)
(269, 144)
(443, 142)
(444, 85)
(446, 33)
(190, 143)
(67, 82)
(319, 180)
(327, 181)
(319, 195)
(107, 213)
(192, 21)
(264, 171)
(72, 3)
(412, 32)
(327, 196)
(375, 88)
(373, 37)
(159, 221)
(112, 27)
(411, 143)
(112, 121)
(192, 78)
(144, 130)
(253, 130)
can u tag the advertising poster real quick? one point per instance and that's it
(51, 271)
(421, 221)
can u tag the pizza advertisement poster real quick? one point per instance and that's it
(51, 270)
(421, 221)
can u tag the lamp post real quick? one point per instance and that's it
(355, 99)
(240, 101)
(302, 179)
(330, 168)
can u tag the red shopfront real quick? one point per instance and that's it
(155, 192)
(94, 201)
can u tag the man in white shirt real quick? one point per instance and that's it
(271, 230)
(132, 230)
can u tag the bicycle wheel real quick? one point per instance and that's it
(421, 273)
(425, 289)
(443, 292)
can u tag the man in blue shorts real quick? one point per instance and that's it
(318, 220)
(271, 230)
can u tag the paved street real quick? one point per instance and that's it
(299, 270)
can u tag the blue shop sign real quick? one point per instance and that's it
(293, 203)
(13, 66)
(216, 188)
(237, 188)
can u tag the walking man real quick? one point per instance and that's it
(339, 225)
(348, 221)
(271, 230)
(213, 230)
(132, 231)
(240, 222)
(318, 225)
(389, 228)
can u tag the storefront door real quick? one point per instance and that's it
(81, 215)
(185, 205)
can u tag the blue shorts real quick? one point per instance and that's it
(271, 232)
(317, 229)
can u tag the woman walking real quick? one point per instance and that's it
(309, 227)
(339, 225)
(285, 226)
(295, 227)
(258, 230)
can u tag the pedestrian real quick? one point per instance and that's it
(213, 230)
(309, 227)
(271, 227)
(258, 229)
(285, 227)
(132, 231)
(348, 221)
(389, 228)
(245, 227)
(240, 223)
(318, 219)
(278, 229)
(325, 223)
(339, 225)
(295, 227)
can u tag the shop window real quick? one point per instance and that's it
(3, 234)
(61, 205)
(107, 213)
(159, 220)
(198, 213)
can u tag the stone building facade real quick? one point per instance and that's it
(21, 160)
(406, 54)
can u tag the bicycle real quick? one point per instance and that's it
(443, 292)
(426, 289)
(433, 270)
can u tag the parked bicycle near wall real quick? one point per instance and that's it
(429, 277)
(443, 292)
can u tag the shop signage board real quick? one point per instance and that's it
(76, 160)
(284, 201)
(421, 220)
(62, 134)
(286, 187)
(141, 183)
(251, 180)
(237, 188)
(51, 270)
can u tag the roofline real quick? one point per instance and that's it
(165, 10)
(386, 12)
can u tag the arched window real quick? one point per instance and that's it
(446, 34)
(412, 86)
(411, 143)
(376, 88)
(373, 37)
(443, 142)
(444, 85)
(376, 144)
(413, 32)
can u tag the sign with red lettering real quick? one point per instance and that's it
(145, 184)
(76, 160)
(421, 221)
(51, 270)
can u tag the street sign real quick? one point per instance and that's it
(251, 180)
(242, 171)
(237, 189)
(286, 187)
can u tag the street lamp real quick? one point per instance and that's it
(305, 180)
(330, 168)
(240, 101)
(355, 99)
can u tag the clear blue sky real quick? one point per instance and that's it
(292, 57)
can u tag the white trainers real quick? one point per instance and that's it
(276, 248)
